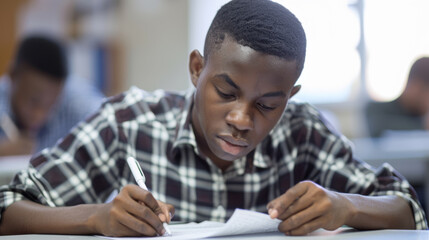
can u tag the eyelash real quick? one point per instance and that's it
(224, 95)
(230, 96)
(264, 107)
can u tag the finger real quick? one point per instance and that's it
(124, 231)
(146, 215)
(141, 195)
(300, 204)
(300, 218)
(171, 210)
(167, 212)
(138, 207)
(137, 226)
(307, 227)
(277, 206)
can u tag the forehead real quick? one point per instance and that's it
(238, 60)
(30, 80)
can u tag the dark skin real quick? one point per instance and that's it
(134, 212)
(415, 97)
(33, 96)
(240, 96)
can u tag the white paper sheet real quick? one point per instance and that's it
(241, 222)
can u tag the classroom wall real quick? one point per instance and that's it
(8, 26)
(147, 43)
(155, 39)
(115, 44)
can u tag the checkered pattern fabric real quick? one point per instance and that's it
(155, 128)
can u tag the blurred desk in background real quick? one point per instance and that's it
(407, 152)
(10, 165)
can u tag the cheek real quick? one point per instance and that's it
(22, 106)
(208, 108)
(200, 106)
(264, 124)
(426, 102)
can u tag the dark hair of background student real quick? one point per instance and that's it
(44, 54)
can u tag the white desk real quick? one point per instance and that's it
(322, 235)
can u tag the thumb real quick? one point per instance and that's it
(165, 212)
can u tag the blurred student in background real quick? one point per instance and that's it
(409, 111)
(39, 102)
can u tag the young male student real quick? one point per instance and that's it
(233, 142)
(38, 103)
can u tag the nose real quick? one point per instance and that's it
(241, 117)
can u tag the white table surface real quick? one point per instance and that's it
(347, 234)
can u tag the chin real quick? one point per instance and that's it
(229, 157)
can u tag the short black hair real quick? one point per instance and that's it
(262, 25)
(420, 70)
(44, 54)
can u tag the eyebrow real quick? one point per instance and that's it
(228, 80)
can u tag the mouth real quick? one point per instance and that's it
(232, 145)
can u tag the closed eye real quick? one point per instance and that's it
(224, 95)
(265, 107)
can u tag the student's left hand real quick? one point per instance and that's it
(307, 207)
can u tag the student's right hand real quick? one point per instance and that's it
(133, 212)
(21, 146)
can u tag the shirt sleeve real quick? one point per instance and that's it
(330, 157)
(85, 167)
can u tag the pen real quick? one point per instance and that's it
(9, 127)
(140, 179)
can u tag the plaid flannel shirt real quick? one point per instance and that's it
(155, 128)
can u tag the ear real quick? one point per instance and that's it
(196, 65)
(294, 90)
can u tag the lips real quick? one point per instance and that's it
(232, 145)
(234, 141)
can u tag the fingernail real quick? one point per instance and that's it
(162, 232)
(273, 213)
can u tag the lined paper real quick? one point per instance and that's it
(241, 222)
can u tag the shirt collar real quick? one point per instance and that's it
(184, 132)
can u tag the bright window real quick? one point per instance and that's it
(396, 35)
(332, 66)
